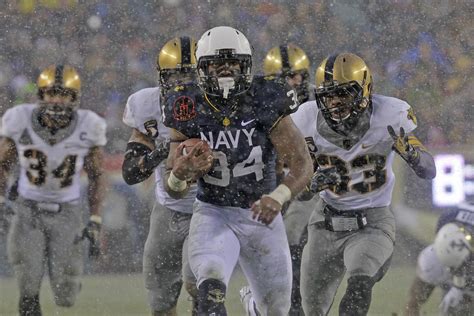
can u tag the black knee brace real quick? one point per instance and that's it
(211, 298)
(356, 300)
(29, 306)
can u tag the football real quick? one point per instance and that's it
(205, 149)
(191, 142)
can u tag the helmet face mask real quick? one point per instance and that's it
(224, 62)
(225, 74)
(343, 90)
(169, 78)
(341, 103)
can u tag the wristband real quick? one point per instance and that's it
(176, 184)
(281, 194)
(96, 219)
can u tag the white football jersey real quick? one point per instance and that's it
(143, 112)
(365, 167)
(430, 270)
(50, 165)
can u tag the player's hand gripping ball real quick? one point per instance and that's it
(198, 155)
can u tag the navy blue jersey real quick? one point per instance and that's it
(237, 131)
(463, 214)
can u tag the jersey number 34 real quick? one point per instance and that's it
(253, 164)
(37, 170)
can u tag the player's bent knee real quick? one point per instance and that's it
(356, 300)
(211, 298)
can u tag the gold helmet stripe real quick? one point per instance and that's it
(185, 50)
(329, 68)
(58, 75)
(285, 59)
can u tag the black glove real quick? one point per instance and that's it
(403, 147)
(154, 158)
(6, 213)
(324, 178)
(92, 232)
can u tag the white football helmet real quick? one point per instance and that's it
(453, 245)
(218, 46)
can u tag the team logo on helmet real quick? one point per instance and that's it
(184, 109)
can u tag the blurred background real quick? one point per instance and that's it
(419, 51)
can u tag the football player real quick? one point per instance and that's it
(237, 213)
(447, 263)
(148, 146)
(289, 64)
(353, 135)
(53, 140)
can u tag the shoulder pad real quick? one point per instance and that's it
(95, 126)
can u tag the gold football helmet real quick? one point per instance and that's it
(285, 59)
(58, 81)
(285, 63)
(343, 90)
(176, 62)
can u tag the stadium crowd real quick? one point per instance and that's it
(418, 52)
(421, 52)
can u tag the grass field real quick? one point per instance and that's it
(125, 295)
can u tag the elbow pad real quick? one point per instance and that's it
(132, 172)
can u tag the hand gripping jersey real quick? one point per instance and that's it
(238, 133)
(50, 165)
(143, 112)
(365, 166)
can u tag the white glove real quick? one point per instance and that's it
(451, 299)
